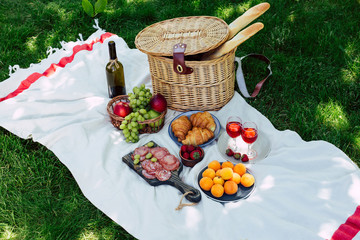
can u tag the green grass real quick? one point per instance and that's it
(315, 52)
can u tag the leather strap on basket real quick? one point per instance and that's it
(240, 76)
(179, 59)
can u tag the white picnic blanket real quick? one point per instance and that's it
(304, 190)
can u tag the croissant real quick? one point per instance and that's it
(180, 127)
(203, 120)
(197, 136)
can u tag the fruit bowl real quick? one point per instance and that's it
(150, 126)
(189, 162)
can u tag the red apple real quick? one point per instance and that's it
(122, 109)
(158, 103)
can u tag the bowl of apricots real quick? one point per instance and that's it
(226, 181)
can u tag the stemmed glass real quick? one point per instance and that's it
(249, 134)
(234, 129)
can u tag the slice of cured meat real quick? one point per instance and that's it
(172, 167)
(162, 175)
(159, 152)
(168, 160)
(150, 166)
(148, 175)
(142, 158)
(142, 151)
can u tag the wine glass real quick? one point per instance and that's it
(249, 134)
(233, 129)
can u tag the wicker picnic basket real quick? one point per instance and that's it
(189, 84)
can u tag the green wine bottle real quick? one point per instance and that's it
(115, 74)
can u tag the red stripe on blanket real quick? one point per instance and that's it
(350, 228)
(25, 84)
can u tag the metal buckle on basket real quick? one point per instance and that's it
(179, 59)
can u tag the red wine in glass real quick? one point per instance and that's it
(249, 134)
(233, 129)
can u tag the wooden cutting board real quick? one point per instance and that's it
(174, 180)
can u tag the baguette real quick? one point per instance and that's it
(236, 41)
(250, 15)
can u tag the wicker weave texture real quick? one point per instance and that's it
(208, 88)
(149, 126)
(200, 33)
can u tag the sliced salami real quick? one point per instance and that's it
(172, 167)
(148, 175)
(159, 152)
(168, 160)
(162, 175)
(150, 166)
(142, 151)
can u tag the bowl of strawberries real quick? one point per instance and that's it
(191, 155)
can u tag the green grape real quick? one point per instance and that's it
(126, 130)
(141, 93)
(133, 134)
(142, 111)
(137, 114)
(149, 155)
(137, 156)
(134, 124)
(127, 135)
(136, 161)
(142, 86)
(150, 144)
(127, 140)
(135, 130)
(122, 126)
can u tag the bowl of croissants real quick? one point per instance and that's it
(194, 128)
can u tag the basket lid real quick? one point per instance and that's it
(200, 33)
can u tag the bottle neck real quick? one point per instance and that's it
(112, 50)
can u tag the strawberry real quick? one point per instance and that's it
(237, 155)
(183, 148)
(229, 152)
(196, 154)
(186, 155)
(244, 158)
(190, 148)
(198, 148)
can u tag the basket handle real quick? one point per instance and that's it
(179, 59)
(240, 76)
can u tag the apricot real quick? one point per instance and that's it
(209, 172)
(240, 169)
(227, 164)
(218, 180)
(226, 173)
(217, 190)
(247, 180)
(236, 178)
(218, 173)
(230, 187)
(206, 183)
(214, 165)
